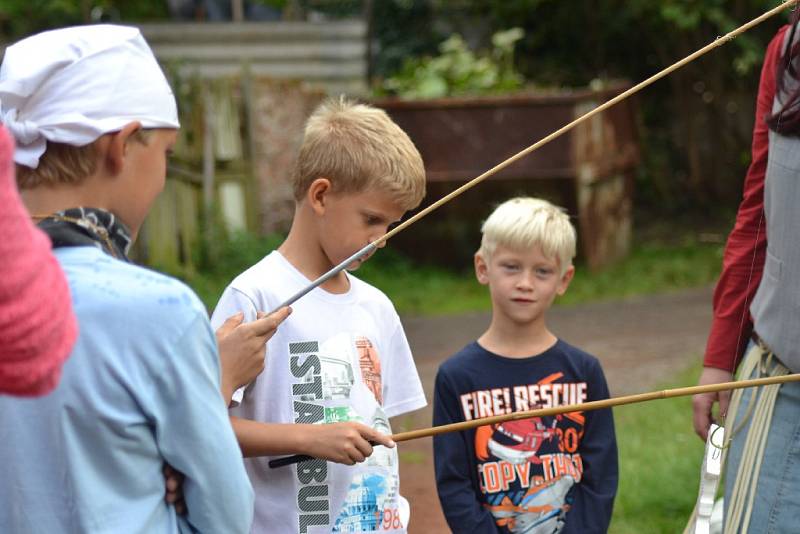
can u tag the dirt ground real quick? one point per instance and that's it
(640, 342)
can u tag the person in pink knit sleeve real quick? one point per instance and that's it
(37, 324)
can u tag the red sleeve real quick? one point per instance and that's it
(745, 250)
(37, 325)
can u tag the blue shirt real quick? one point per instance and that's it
(140, 388)
(545, 474)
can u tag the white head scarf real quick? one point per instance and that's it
(75, 84)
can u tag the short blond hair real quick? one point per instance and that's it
(62, 163)
(524, 222)
(359, 148)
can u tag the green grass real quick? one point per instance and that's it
(653, 267)
(650, 268)
(220, 262)
(660, 459)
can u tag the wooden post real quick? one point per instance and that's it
(208, 160)
(237, 10)
(252, 185)
(368, 19)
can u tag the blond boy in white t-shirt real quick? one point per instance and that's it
(342, 355)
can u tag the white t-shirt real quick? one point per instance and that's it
(336, 358)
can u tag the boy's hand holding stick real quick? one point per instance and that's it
(242, 347)
(356, 439)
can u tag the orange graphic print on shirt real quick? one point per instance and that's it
(370, 365)
(527, 467)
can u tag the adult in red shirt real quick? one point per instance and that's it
(743, 261)
(762, 472)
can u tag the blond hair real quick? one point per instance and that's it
(66, 164)
(525, 222)
(359, 148)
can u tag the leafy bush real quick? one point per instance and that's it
(457, 70)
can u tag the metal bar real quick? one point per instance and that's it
(327, 276)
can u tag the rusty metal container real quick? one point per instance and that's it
(588, 170)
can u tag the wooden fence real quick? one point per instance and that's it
(244, 93)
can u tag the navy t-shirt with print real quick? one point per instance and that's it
(542, 475)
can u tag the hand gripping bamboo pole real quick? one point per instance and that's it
(719, 41)
(582, 407)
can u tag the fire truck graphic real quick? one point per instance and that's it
(514, 441)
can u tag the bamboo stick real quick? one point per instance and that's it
(582, 407)
(719, 41)
(594, 405)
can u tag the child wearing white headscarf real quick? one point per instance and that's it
(94, 117)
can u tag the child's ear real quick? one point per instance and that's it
(118, 146)
(317, 195)
(481, 269)
(566, 278)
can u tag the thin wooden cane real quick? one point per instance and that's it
(371, 247)
(561, 131)
(583, 407)
(595, 405)
(719, 41)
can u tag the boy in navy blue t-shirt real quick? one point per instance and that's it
(542, 475)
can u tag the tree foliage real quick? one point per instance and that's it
(19, 18)
(457, 70)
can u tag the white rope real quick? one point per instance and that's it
(740, 502)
